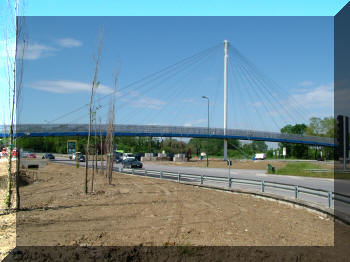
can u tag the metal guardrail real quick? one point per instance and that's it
(329, 195)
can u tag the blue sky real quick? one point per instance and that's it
(296, 52)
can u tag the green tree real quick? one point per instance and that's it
(295, 150)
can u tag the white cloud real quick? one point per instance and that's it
(36, 51)
(7, 48)
(319, 97)
(135, 99)
(69, 42)
(68, 87)
(31, 51)
(307, 83)
(199, 121)
(147, 102)
(311, 101)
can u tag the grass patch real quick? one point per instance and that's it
(342, 175)
(305, 169)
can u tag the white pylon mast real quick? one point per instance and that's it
(225, 96)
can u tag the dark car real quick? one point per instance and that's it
(131, 163)
(139, 155)
(48, 156)
(117, 159)
(81, 158)
(170, 156)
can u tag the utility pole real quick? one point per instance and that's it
(225, 96)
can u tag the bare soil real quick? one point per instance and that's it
(7, 220)
(139, 211)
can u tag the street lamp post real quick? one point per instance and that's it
(208, 131)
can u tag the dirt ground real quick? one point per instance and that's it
(167, 213)
(236, 164)
(152, 212)
(7, 221)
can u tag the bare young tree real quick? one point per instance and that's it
(101, 149)
(94, 157)
(110, 132)
(96, 153)
(15, 76)
(109, 142)
(91, 110)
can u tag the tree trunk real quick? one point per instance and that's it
(94, 83)
(86, 167)
(96, 167)
(93, 174)
(9, 176)
(18, 173)
(101, 151)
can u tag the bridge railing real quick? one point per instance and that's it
(328, 196)
(36, 128)
(174, 130)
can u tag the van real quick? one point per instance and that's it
(259, 156)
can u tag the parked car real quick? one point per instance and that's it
(81, 158)
(128, 156)
(24, 154)
(75, 155)
(4, 151)
(48, 156)
(139, 155)
(170, 156)
(131, 163)
(31, 155)
(117, 158)
(14, 152)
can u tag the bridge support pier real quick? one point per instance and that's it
(225, 149)
(225, 96)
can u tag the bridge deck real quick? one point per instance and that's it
(40, 130)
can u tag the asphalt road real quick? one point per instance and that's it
(315, 183)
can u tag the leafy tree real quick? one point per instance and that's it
(295, 150)
(259, 146)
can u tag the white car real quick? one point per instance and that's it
(73, 156)
(128, 156)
